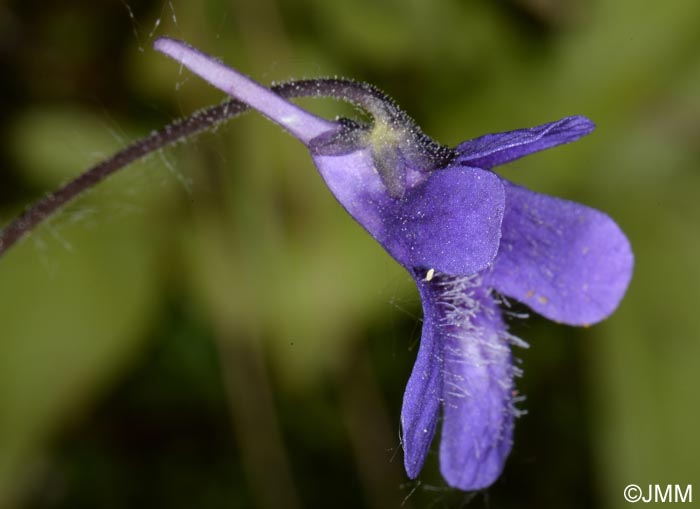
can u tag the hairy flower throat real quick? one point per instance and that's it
(397, 144)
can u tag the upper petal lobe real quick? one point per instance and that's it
(496, 149)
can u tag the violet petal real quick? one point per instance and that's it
(452, 221)
(478, 387)
(496, 149)
(568, 262)
(422, 399)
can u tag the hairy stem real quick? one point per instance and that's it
(52, 202)
(362, 95)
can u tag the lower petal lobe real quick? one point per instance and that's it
(478, 388)
(421, 401)
(566, 261)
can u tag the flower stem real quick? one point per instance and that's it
(359, 94)
(49, 204)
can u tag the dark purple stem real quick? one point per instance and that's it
(360, 94)
(50, 203)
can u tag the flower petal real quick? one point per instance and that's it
(568, 262)
(451, 222)
(496, 149)
(478, 412)
(421, 401)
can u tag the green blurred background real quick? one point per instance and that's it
(210, 329)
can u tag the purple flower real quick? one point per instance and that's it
(467, 237)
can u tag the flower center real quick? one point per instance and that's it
(397, 144)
